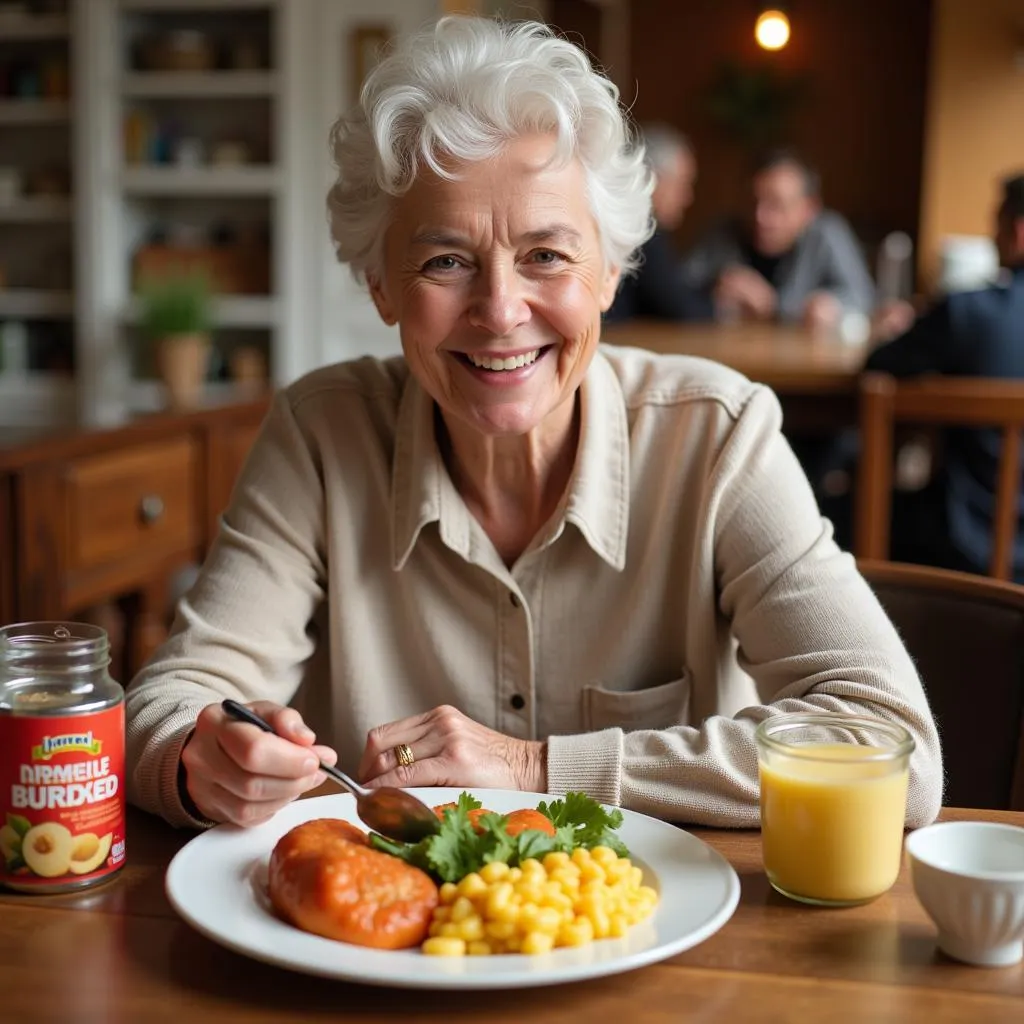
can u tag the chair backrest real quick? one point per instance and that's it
(966, 636)
(939, 401)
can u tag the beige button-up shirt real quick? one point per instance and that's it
(686, 588)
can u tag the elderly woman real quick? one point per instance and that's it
(511, 559)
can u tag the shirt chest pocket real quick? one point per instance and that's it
(656, 707)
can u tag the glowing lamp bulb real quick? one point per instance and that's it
(772, 30)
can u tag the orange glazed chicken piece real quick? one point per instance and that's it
(325, 879)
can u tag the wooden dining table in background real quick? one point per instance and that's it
(118, 954)
(814, 375)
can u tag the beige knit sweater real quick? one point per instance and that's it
(688, 589)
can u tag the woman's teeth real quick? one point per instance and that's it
(485, 362)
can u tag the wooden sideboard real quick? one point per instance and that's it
(95, 523)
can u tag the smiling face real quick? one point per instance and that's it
(497, 283)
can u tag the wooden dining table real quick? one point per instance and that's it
(119, 954)
(814, 374)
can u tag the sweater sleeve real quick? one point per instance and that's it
(243, 631)
(809, 632)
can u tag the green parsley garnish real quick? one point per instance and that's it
(458, 849)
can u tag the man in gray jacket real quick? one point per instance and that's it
(794, 262)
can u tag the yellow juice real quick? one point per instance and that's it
(832, 827)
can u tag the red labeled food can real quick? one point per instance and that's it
(62, 804)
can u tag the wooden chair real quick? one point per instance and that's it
(935, 401)
(966, 635)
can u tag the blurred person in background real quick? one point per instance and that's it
(791, 261)
(657, 289)
(968, 334)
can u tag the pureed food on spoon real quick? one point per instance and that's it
(529, 881)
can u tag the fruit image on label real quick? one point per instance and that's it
(62, 799)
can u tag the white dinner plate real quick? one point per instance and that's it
(217, 883)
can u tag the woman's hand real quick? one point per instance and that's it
(238, 773)
(450, 749)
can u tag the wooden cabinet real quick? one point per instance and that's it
(97, 522)
(125, 504)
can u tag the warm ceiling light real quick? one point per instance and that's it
(772, 30)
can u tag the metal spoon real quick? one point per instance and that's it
(394, 813)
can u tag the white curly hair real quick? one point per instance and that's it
(460, 91)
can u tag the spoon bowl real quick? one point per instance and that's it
(394, 813)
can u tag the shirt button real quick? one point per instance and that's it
(514, 599)
(517, 701)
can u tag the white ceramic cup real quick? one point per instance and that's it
(969, 876)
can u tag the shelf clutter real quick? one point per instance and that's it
(36, 195)
(189, 96)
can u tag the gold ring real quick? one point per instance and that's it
(404, 754)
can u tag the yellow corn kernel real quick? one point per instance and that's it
(567, 877)
(471, 929)
(558, 900)
(495, 871)
(478, 948)
(498, 898)
(529, 892)
(648, 893)
(557, 859)
(599, 919)
(515, 874)
(434, 929)
(472, 885)
(509, 912)
(617, 871)
(592, 872)
(444, 947)
(449, 930)
(442, 914)
(580, 856)
(462, 908)
(603, 855)
(448, 892)
(636, 876)
(618, 925)
(537, 942)
(500, 929)
(531, 866)
(528, 917)
(548, 920)
(585, 927)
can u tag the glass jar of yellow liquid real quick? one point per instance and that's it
(833, 804)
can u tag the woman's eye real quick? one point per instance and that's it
(442, 263)
(545, 257)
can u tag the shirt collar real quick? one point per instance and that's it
(597, 501)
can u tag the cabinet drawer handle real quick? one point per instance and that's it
(151, 508)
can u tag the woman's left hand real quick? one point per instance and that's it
(450, 749)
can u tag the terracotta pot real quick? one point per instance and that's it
(181, 361)
(248, 366)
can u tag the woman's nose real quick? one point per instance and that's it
(498, 304)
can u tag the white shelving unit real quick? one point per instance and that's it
(202, 181)
(244, 312)
(282, 108)
(22, 112)
(199, 84)
(23, 27)
(37, 302)
(37, 210)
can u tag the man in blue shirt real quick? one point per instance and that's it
(970, 334)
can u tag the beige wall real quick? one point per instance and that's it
(975, 119)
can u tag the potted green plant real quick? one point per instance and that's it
(176, 319)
